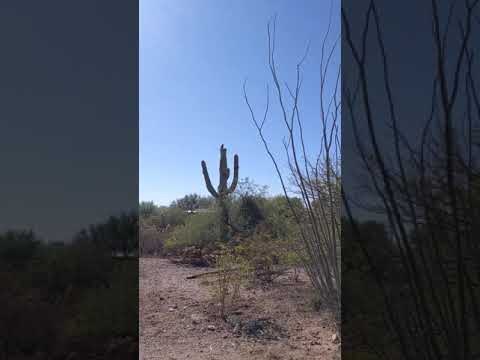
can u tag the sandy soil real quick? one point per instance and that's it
(178, 319)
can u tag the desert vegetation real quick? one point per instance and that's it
(74, 299)
(258, 227)
(419, 269)
(231, 246)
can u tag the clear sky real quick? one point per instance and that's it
(194, 58)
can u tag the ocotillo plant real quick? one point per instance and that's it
(223, 190)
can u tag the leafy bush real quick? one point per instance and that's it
(233, 271)
(271, 240)
(59, 293)
(292, 259)
(189, 202)
(280, 218)
(80, 266)
(264, 227)
(263, 254)
(113, 311)
(147, 209)
(170, 217)
(199, 230)
(151, 239)
(119, 234)
(250, 212)
(169, 227)
(192, 202)
(18, 247)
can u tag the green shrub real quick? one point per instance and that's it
(79, 265)
(63, 293)
(192, 202)
(118, 233)
(105, 312)
(18, 247)
(151, 239)
(280, 218)
(233, 271)
(147, 209)
(263, 254)
(172, 216)
(250, 212)
(199, 230)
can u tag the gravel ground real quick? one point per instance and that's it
(178, 319)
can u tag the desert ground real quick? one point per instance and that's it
(179, 319)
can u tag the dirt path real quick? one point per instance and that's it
(177, 321)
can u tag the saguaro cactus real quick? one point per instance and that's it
(223, 189)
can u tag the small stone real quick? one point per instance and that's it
(196, 319)
(335, 339)
(211, 327)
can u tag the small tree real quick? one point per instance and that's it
(188, 203)
(147, 209)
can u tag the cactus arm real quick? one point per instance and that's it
(235, 175)
(207, 180)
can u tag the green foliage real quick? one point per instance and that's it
(79, 266)
(193, 202)
(248, 204)
(271, 233)
(206, 202)
(151, 239)
(290, 258)
(199, 230)
(263, 225)
(154, 230)
(118, 233)
(172, 216)
(59, 294)
(233, 271)
(263, 253)
(250, 212)
(280, 218)
(18, 247)
(113, 311)
(147, 209)
(189, 202)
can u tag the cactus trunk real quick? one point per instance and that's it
(223, 220)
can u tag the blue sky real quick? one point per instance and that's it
(194, 58)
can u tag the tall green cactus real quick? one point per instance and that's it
(223, 190)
